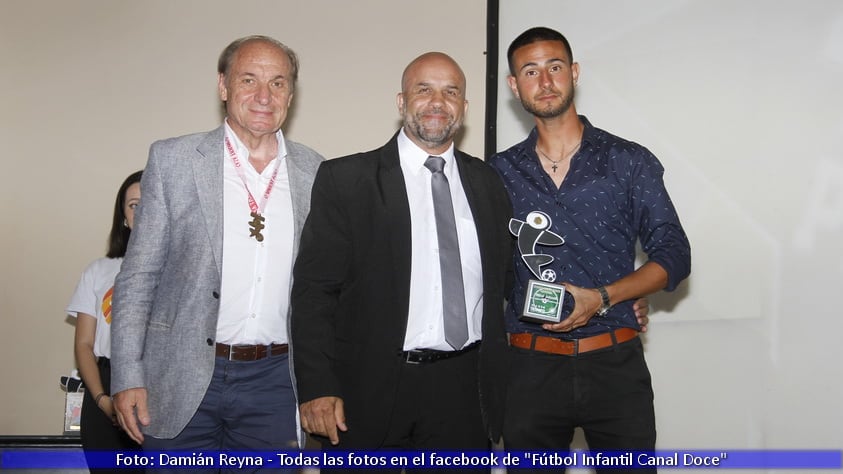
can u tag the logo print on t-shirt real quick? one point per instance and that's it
(106, 305)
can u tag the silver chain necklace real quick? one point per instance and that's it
(556, 162)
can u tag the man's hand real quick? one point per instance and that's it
(131, 408)
(642, 309)
(586, 302)
(324, 416)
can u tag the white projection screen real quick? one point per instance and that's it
(741, 101)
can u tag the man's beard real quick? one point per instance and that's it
(550, 111)
(433, 137)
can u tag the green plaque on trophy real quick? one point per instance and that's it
(543, 302)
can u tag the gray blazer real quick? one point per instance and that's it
(166, 296)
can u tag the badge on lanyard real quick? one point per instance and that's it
(257, 223)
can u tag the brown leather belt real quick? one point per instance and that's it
(553, 345)
(246, 353)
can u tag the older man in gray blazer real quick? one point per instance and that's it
(200, 358)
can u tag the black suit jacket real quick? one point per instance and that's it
(351, 285)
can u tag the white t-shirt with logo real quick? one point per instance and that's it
(93, 296)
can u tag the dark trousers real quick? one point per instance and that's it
(608, 393)
(249, 406)
(98, 432)
(437, 407)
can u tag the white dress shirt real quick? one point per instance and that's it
(425, 323)
(255, 292)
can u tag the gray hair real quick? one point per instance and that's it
(231, 50)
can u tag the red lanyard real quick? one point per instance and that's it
(253, 205)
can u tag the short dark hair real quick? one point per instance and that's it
(118, 239)
(534, 35)
(231, 50)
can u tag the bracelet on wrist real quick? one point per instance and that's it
(98, 397)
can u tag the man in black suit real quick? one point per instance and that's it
(374, 365)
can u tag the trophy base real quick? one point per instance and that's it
(543, 302)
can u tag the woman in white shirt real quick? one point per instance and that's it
(91, 306)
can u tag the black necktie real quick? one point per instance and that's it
(453, 293)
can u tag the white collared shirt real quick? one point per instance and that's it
(425, 324)
(255, 292)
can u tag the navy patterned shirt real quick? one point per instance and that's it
(612, 197)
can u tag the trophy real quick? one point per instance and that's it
(543, 299)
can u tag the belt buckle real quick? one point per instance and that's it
(407, 360)
(231, 352)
